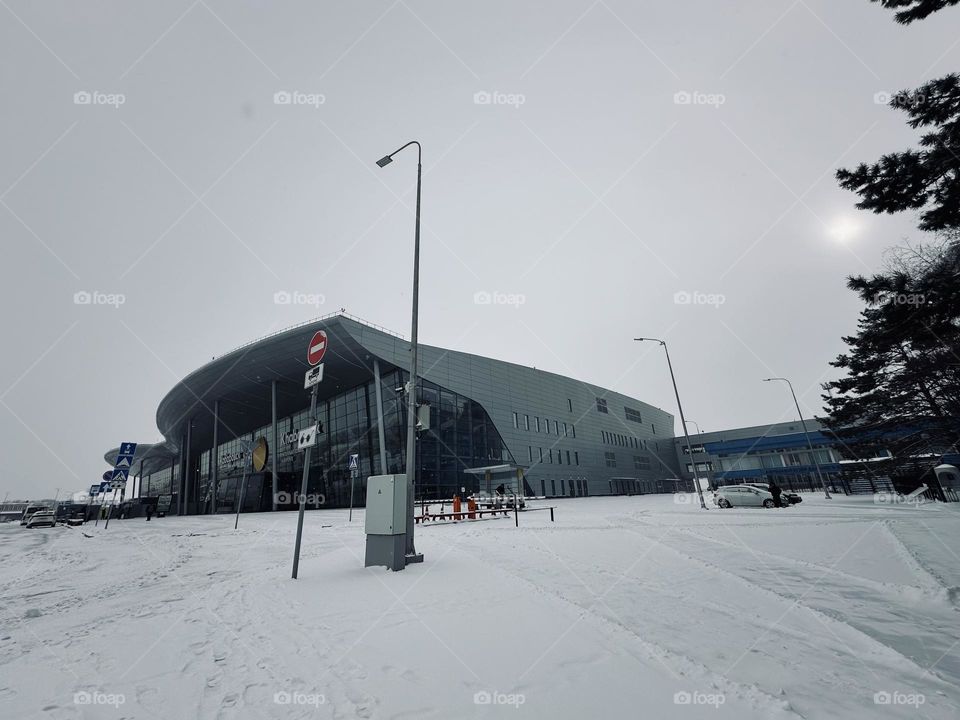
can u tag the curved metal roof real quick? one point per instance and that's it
(241, 380)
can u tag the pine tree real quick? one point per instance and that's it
(903, 365)
(927, 179)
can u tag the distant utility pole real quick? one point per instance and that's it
(813, 454)
(683, 422)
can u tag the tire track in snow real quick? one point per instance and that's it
(677, 663)
(895, 657)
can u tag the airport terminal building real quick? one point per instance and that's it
(486, 422)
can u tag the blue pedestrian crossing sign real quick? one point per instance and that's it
(354, 462)
(121, 468)
(125, 455)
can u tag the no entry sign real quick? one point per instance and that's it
(317, 347)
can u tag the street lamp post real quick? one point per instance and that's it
(696, 425)
(813, 454)
(683, 422)
(411, 553)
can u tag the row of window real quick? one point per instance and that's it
(577, 487)
(610, 438)
(544, 426)
(640, 462)
(573, 459)
(774, 460)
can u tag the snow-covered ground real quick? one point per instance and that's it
(624, 607)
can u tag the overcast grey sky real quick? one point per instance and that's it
(580, 182)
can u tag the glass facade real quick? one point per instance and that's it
(460, 435)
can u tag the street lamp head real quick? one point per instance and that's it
(657, 340)
(385, 160)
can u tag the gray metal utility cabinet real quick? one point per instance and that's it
(386, 521)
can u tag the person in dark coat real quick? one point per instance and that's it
(775, 491)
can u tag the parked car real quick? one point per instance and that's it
(730, 496)
(32, 510)
(44, 518)
(787, 497)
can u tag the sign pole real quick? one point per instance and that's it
(353, 477)
(110, 509)
(303, 486)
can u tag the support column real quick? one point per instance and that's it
(214, 458)
(274, 444)
(187, 469)
(380, 431)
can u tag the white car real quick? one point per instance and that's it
(44, 518)
(31, 511)
(730, 496)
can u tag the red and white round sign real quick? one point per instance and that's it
(317, 347)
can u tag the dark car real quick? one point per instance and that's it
(786, 497)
